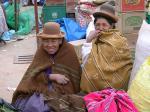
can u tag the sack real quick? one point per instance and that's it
(25, 20)
(83, 13)
(6, 107)
(109, 100)
(139, 90)
(142, 49)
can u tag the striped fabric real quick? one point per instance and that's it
(109, 63)
(109, 100)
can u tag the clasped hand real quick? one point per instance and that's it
(60, 79)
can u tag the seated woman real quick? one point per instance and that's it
(106, 56)
(52, 80)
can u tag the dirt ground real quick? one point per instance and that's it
(10, 73)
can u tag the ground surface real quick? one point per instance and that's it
(10, 73)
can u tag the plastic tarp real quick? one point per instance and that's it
(73, 31)
(26, 20)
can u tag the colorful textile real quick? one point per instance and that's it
(109, 100)
(35, 81)
(109, 64)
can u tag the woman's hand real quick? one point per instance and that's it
(92, 35)
(60, 79)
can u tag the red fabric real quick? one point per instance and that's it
(109, 100)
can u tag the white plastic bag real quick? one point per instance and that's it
(142, 48)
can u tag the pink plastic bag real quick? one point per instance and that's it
(109, 100)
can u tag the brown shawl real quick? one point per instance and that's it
(109, 63)
(64, 62)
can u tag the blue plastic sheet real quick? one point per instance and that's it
(8, 35)
(73, 31)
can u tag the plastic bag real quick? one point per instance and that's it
(8, 35)
(142, 50)
(83, 13)
(25, 23)
(139, 90)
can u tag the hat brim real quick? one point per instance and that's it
(99, 2)
(47, 36)
(105, 14)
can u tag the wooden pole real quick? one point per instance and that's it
(36, 16)
(16, 7)
(36, 21)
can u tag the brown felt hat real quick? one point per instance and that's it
(106, 10)
(51, 30)
(99, 2)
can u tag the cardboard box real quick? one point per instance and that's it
(130, 5)
(132, 39)
(130, 22)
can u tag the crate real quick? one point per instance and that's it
(130, 5)
(53, 12)
(132, 39)
(130, 22)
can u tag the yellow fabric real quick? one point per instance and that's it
(139, 90)
(109, 63)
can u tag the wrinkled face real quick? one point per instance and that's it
(102, 24)
(51, 45)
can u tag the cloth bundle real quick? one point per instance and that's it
(109, 100)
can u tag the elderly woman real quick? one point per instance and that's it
(106, 56)
(52, 80)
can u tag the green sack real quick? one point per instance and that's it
(6, 107)
(25, 20)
